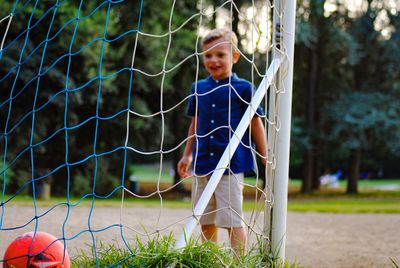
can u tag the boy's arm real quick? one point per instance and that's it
(186, 160)
(259, 138)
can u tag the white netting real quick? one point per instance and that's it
(144, 125)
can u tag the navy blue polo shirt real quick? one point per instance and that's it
(221, 105)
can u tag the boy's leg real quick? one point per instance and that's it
(210, 232)
(207, 221)
(229, 198)
(238, 237)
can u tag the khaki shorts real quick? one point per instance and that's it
(225, 208)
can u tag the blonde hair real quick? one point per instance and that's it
(223, 33)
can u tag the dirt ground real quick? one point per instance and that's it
(313, 239)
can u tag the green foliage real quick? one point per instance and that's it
(340, 57)
(344, 44)
(101, 40)
(305, 34)
(105, 181)
(101, 179)
(346, 86)
(159, 252)
(15, 180)
(80, 185)
(360, 118)
(6, 175)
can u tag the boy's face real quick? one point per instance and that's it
(219, 58)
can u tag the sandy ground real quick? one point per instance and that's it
(313, 239)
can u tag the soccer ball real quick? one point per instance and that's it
(44, 252)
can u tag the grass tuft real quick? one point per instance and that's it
(159, 253)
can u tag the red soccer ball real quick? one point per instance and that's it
(46, 252)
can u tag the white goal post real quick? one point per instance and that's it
(281, 177)
(283, 39)
(99, 100)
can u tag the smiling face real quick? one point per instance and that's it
(219, 58)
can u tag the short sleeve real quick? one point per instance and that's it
(191, 108)
(248, 93)
(260, 111)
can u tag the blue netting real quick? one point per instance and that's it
(27, 69)
(86, 89)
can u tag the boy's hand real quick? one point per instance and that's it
(261, 164)
(183, 167)
(263, 161)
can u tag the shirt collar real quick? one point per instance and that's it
(233, 77)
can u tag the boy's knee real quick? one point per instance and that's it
(210, 232)
(208, 227)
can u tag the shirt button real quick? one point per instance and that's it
(211, 154)
(211, 137)
(212, 121)
(213, 105)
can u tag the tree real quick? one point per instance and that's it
(378, 119)
(318, 79)
(358, 121)
(338, 56)
(96, 71)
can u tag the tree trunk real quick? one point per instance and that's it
(235, 24)
(214, 20)
(354, 172)
(309, 164)
(308, 172)
(316, 183)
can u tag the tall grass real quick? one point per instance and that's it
(159, 253)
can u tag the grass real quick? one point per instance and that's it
(369, 200)
(151, 173)
(159, 252)
(346, 205)
(324, 201)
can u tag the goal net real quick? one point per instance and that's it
(93, 96)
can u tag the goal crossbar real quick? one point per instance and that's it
(228, 153)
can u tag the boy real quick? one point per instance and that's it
(222, 99)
